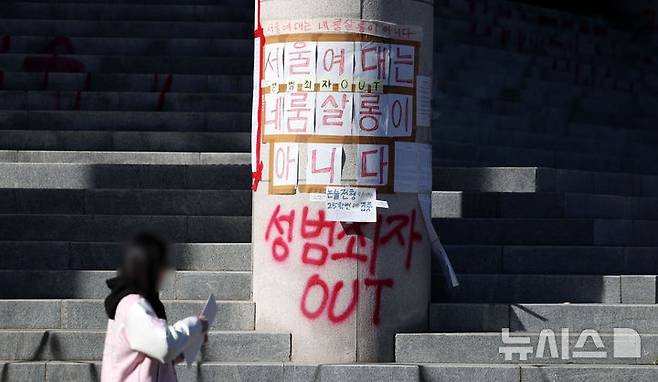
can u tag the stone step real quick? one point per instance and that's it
(140, 29)
(483, 348)
(124, 141)
(126, 202)
(502, 156)
(505, 231)
(95, 176)
(534, 318)
(548, 289)
(62, 255)
(538, 179)
(125, 157)
(127, 82)
(195, 229)
(232, 3)
(126, 12)
(72, 120)
(506, 135)
(124, 101)
(89, 371)
(126, 46)
(126, 64)
(550, 259)
(90, 314)
(72, 345)
(183, 285)
(455, 204)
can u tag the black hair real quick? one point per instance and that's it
(144, 260)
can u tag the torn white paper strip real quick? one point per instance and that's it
(351, 204)
(424, 167)
(406, 167)
(381, 204)
(438, 251)
(423, 101)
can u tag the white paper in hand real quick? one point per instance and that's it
(192, 349)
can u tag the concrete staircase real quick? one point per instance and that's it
(117, 117)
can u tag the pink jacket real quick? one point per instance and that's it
(139, 347)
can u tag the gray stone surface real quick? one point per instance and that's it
(516, 231)
(537, 317)
(73, 371)
(469, 317)
(503, 288)
(483, 348)
(91, 176)
(28, 371)
(198, 285)
(29, 314)
(485, 179)
(465, 372)
(90, 314)
(63, 345)
(578, 317)
(125, 157)
(104, 228)
(638, 289)
(57, 255)
(246, 372)
(185, 285)
(574, 373)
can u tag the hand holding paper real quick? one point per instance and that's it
(209, 312)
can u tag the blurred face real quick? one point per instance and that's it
(163, 275)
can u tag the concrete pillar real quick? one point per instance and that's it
(319, 280)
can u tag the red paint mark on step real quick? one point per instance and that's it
(163, 93)
(258, 33)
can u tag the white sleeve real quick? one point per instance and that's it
(148, 334)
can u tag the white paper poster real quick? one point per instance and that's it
(351, 204)
(273, 112)
(333, 113)
(299, 63)
(402, 65)
(335, 63)
(369, 114)
(424, 101)
(286, 164)
(372, 62)
(399, 115)
(299, 113)
(324, 163)
(406, 167)
(424, 167)
(273, 61)
(372, 165)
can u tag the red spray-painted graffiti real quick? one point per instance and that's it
(321, 241)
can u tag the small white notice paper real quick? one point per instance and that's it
(424, 101)
(351, 204)
(209, 311)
